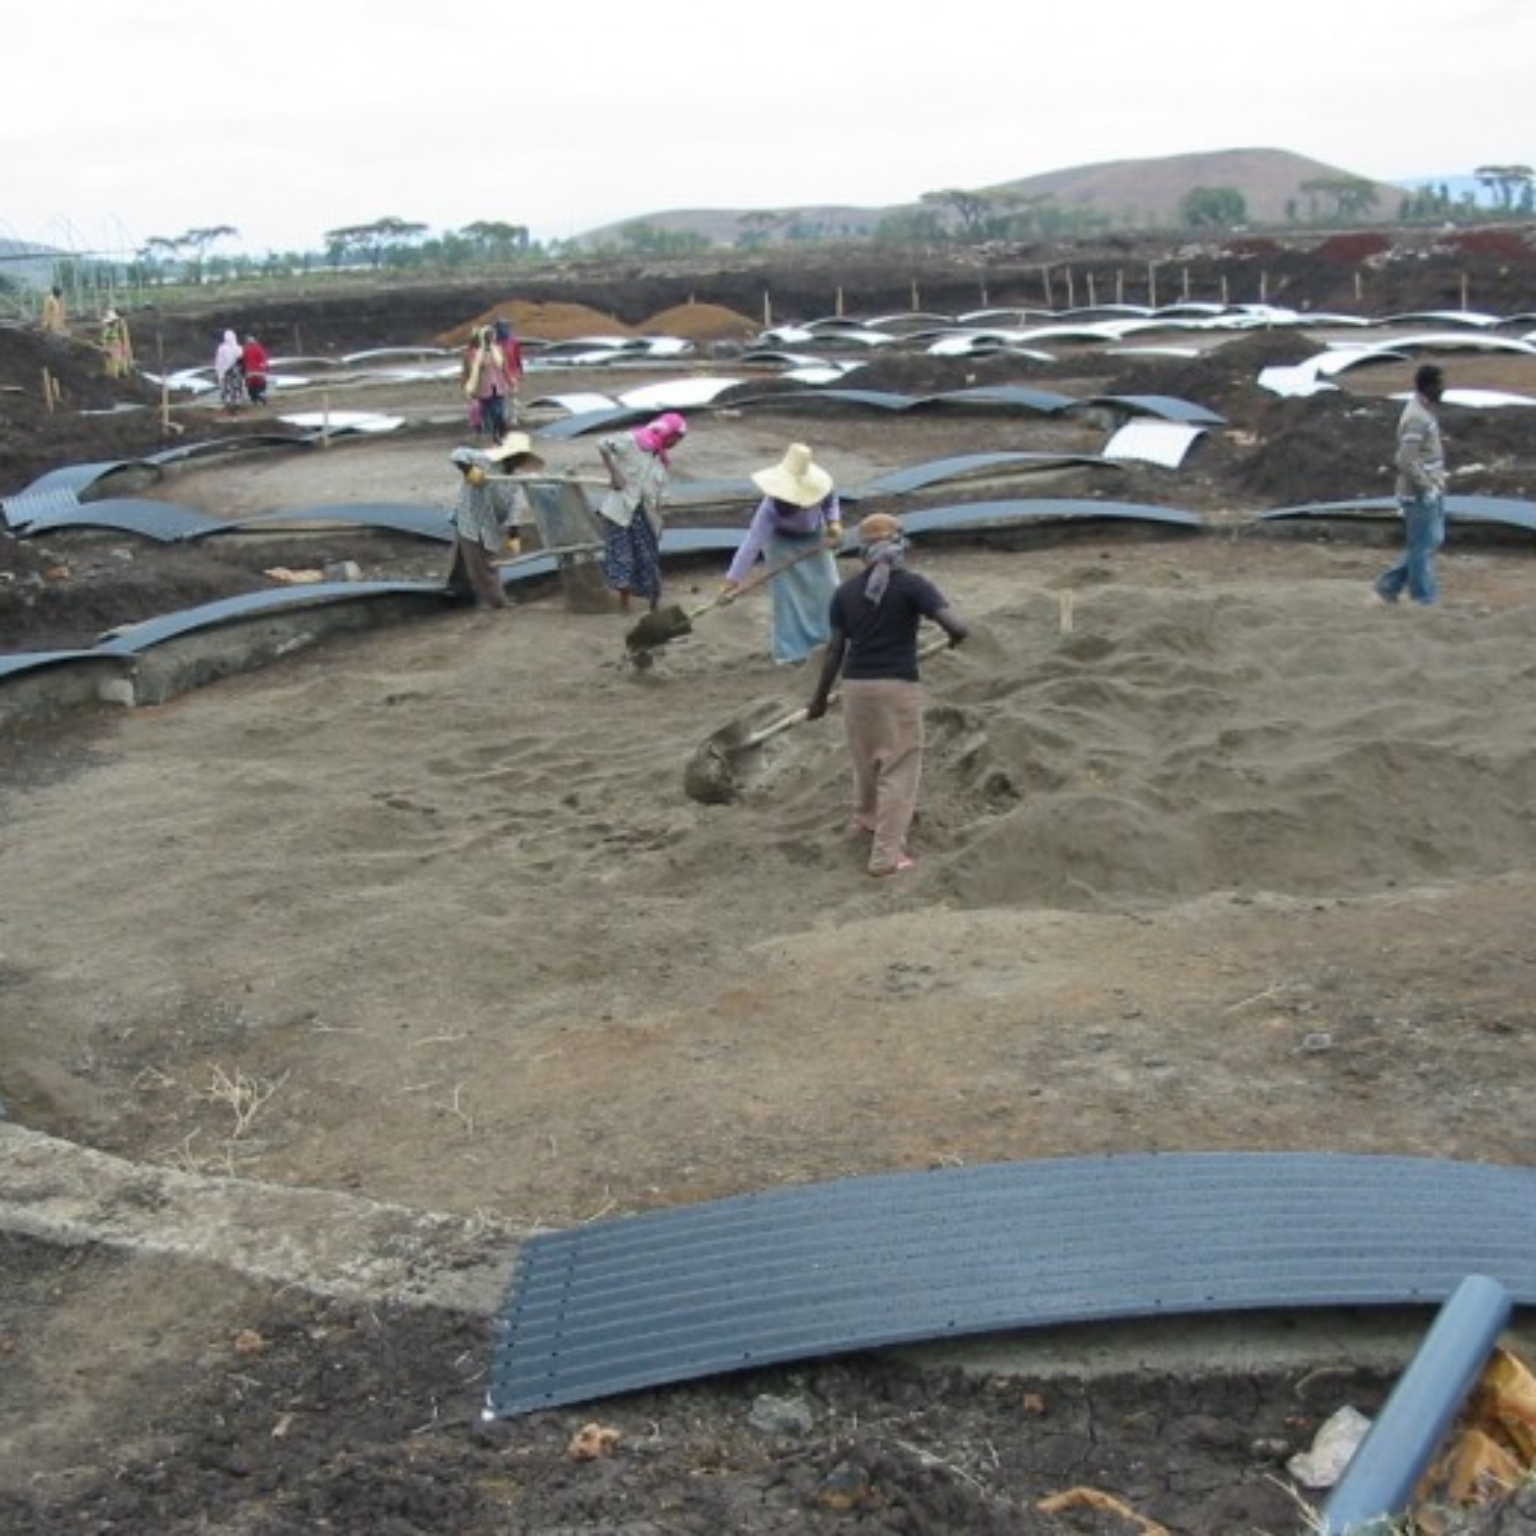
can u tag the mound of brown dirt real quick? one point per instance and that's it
(701, 322)
(540, 322)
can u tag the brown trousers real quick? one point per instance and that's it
(474, 574)
(883, 718)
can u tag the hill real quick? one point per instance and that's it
(1137, 193)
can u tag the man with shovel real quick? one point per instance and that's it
(875, 619)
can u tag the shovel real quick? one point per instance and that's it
(712, 775)
(656, 629)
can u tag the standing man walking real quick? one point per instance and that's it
(875, 618)
(1420, 492)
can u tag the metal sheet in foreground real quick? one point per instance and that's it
(863, 1263)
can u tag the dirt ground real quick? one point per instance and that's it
(417, 934)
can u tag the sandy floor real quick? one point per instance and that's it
(1213, 855)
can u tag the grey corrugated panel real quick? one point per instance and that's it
(245, 443)
(130, 639)
(163, 521)
(1510, 510)
(865, 1263)
(874, 399)
(413, 518)
(77, 477)
(914, 477)
(968, 516)
(17, 662)
(1165, 407)
(1045, 401)
(26, 507)
(593, 421)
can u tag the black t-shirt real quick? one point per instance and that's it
(882, 637)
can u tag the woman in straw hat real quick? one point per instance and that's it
(639, 467)
(485, 516)
(796, 528)
(875, 619)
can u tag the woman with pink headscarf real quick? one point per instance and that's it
(638, 465)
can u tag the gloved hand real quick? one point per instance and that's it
(835, 535)
(728, 594)
(475, 475)
(514, 544)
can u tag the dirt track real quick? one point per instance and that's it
(437, 895)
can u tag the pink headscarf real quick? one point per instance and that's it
(665, 432)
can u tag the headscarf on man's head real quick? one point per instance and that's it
(882, 548)
(662, 434)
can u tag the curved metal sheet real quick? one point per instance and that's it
(163, 521)
(215, 445)
(130, 639)
(793, 1274)
(18, 662)
(1154, 442)
(1475, 509)
(587, 422)
(915, 477)
(1164, 407)
(1016, 396)
(408, 517)
(965, 516)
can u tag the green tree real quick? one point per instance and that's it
(1507, 182)
(975, 212)
(1213, 208)
(373, 243)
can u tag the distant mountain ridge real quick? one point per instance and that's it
(1135, 193)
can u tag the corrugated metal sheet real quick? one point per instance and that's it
(862, 1263)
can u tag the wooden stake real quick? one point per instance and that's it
(1071, 290)
(917, 302)
(1464, 290)
(1045, 278)
(767, 310)
(1151, 285)
(325, 421)
(1093, 294)
(838, 311)
(48, 390)
(1064, 611)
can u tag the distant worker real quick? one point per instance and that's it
(796, 528)
(488, 385)
(485, 517)
(633, 509)
(875, 618)
(255, 362)
(53, 311)
(513, 351)
(229, 373)
(1420, 492)
(117, 345)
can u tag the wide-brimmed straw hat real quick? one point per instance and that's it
(796, 479)
(515, 445)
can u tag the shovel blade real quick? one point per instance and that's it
(658, 628)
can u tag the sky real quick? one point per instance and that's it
(283, 120)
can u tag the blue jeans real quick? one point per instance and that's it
(1424, 533)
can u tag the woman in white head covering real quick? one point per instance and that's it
(229, 372)
(796, 529)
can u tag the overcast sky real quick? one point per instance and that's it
(125, 122)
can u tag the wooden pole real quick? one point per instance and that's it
(1464, 290)
(1184, 283)
(1045, 278)
(1151, 285)
(1224, 298)
(1071, 290)
(48, 390)
(839, 310)
(1263, 287)
(767, 310)
(325, 421)
(1093, 297)
(917, 302)
(1119, 286)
